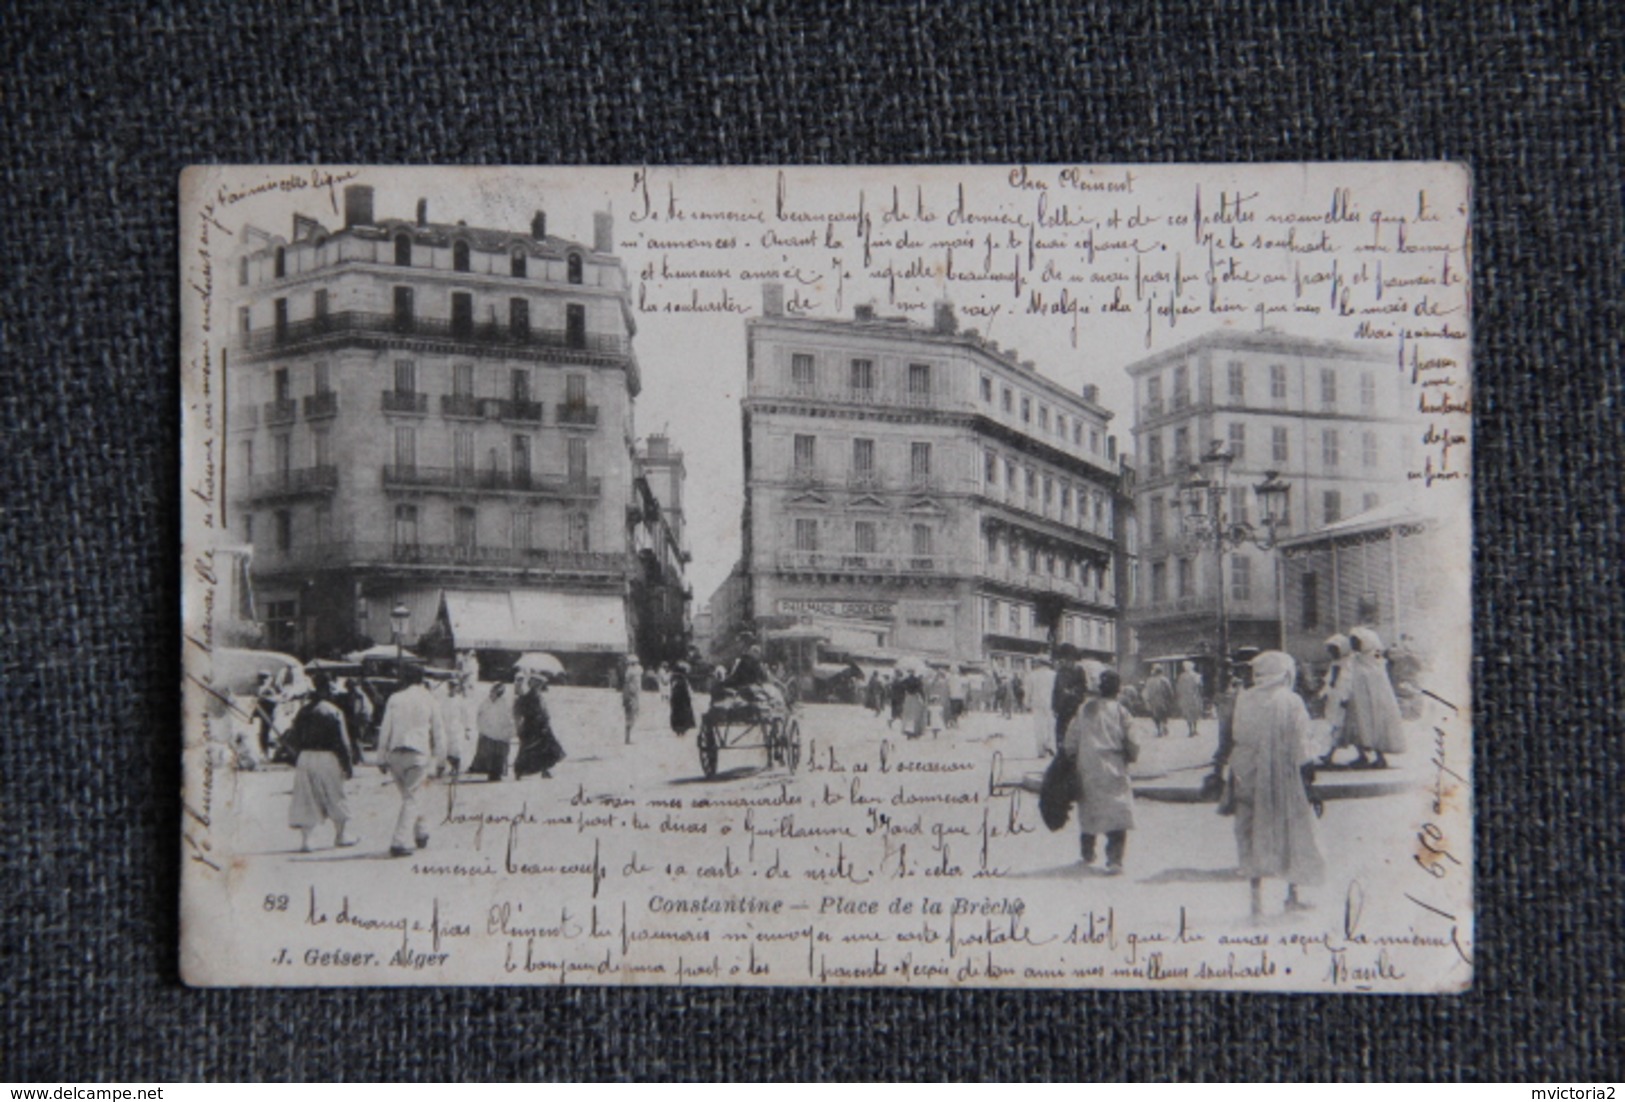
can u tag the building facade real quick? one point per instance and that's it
(436, 416)
(1321, 414)
(661, 596)
(915, 489)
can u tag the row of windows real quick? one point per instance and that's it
(1013, 618)
(1041, 493)
(1280, 448)
(1020, 553)
(405, 381)
(863, 377)
(804, 456)
(518, 458)
(526, 531)
(866, 537)
(1236, 392)
(403, 314)
(461, 260)
(1057, 425)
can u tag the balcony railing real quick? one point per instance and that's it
(405, 401)
(294, 482)
(606, 564)
(460, 405)
(869, 479)
(404, 476)
(841, 393)
(576, 414)
(324, 403)
(380, 326)
(282, 411)
(806, 476)
(868, 562)
(513, 409)
(1153, 408)
(923, 482)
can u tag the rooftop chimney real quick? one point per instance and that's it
(773, 300)
(423, 212)
(659, 444)
(866, 312)
(943, 320)
(603, 232)
(357, 205)
(538, 225)
(1029, 365)
(1091, 394)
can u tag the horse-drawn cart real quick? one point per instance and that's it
(755, 717)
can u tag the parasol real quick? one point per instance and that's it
(538, 662)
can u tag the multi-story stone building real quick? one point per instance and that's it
(1321, 414)
(661, 594)
(436, 416)
(915, 489)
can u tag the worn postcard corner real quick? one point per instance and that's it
(994, 576)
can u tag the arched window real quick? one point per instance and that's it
(518, 268)
(459, 256)
(281, 262)
(575, 268)
(403, 250)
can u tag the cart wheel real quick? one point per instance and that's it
(792, 744)
(708, 748)
(770, 741)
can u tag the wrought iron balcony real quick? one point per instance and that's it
(868, 562)
(405, 401)
(513, 409)
(576, 414)
(606, 565)
(411, 476)
(461, 405)
(867, 479)
(324, 403)
(282, 411)
(380, 326)
(293, 482)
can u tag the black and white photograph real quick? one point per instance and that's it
(1028, 576)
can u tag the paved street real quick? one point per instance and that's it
(1179, 856)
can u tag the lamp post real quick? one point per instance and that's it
(1207, 522)
(399, 617)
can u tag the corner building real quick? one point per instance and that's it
(1322, 414)
(915, 489)
(438, 416)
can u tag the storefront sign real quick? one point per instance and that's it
(844, 610)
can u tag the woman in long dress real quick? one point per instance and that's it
(1101, 740)
(914, 711)
(1275, 826)
(322, 764)
(539, 749)
(1372, 706)
(682, 702)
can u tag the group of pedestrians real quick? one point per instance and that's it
(1360, 702)
(417, 740)
(1264, 751)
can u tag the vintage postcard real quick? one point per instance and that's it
(994, 576)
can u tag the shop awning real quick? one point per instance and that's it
(536, 620)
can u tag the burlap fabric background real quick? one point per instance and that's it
(102, 107)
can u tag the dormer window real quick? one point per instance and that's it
(573, 268)
(517, 263)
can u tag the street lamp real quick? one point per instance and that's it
(399, 617)
(1206, 521)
